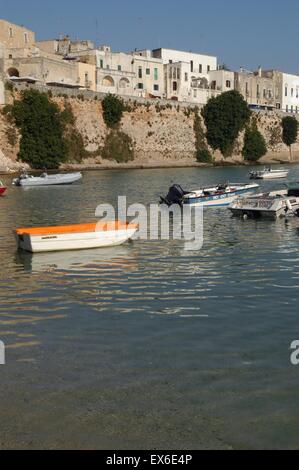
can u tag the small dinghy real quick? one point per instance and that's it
(217, 196)
(75, 237)
(2, 188)
(26, 180)
(272, 205)
(268, 173)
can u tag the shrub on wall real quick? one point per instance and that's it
(39, 120)
(203, 154)
(113, 109)
(225, 117)
(119, 147)
(255, 146)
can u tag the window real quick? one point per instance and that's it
(140, 72)
(10, 32)
(297, 92)
(258, 91)
(213, 85)
(287, 108)
(119, 68)
(155, 74)
(195, 93)
(208, 68)
(200, 68)
(192, 66)
(292, 109)
(101, 63)
(247, 88)
(175, 86)
(156, 87)
(286, 91)
(108, 67)
(170, 61)
(228, 84)
(140, 86)
(10, 56)
(265, 93)
(186, 77)
(26, 38)
(292, 92)
(148, 71)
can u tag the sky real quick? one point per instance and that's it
(241, 34)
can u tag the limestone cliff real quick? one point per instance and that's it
(162, 135)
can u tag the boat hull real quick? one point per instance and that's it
(270, 175)
(220, 200)
(50, 180)
(64, 240)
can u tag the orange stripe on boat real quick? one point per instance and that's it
(78, 228)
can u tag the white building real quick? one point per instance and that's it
(290, 93)
(186, 75)
(136, 74)
(199, 64)
(222, 80)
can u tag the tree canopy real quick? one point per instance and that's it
(225, 117)
(39, 119)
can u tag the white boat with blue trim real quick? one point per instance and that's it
(217, 196)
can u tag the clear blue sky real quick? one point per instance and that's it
(251, 33)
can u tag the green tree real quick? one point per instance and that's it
(225, 117)
(113, 109)
(255, 146)
(39, 120)
(289, 132)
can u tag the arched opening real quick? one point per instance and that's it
(175, 86)
(13, 72)
(108, 81)
(124, 83)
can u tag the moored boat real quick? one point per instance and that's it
(2, 188)
(272, 205)
(44, 179)
(75, 237)
(216, 196)
(268, 173)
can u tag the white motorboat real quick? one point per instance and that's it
(268, 173)
(75, 237)
(26, 180)
(216, 196)
(273, 205)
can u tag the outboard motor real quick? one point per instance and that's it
(175, 196)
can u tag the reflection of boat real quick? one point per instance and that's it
(272, 205)
(221, 195)
(2, 188)
(75, 237)
(77, 261)
(268, 173)
(26, 180)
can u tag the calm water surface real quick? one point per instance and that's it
(146, 345)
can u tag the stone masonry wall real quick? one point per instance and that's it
(162, 134)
